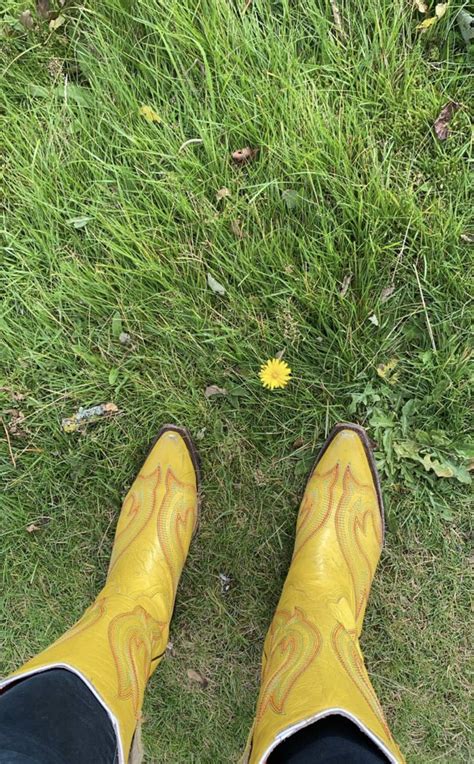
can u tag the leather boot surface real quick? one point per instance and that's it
(122, 636)
(312, 662)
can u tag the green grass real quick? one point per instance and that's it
(346, 128)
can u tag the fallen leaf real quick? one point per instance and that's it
(226, 583)
(468, 238)
(26, 19)
(88, 416)
(440, 9)
(223, 193)
(15, 426)
(387, 371)
(236, 229)
(57, 22)
(170, 651)
(427, 23)
(386, 293)
(116, 325)
(445, 116)
(446, 469)
(291, 197)
(346, 282)
(421, 6)
(38, 524)
(214, 285)
(149, 114)
(196, 676)
(244, 155)
(214, 390)
(42, 8)
(14, 394)
(466, 25)
(78, 223)
(124, 338)
(374, 320)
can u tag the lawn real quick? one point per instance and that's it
(343, 242)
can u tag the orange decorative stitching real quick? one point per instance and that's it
(309, 518)
(348, 529)
(294, 644)
(133, 637)
(346, 649)
(175, 524)
(142, 492)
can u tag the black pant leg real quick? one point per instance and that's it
(332, 740)
(53, 718)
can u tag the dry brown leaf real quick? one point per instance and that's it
(387, 292)
(15, 426)
(212, 390)
(468, 238)
(244, 155)
(26, 20)
(346, 282)
(196, 676)
(42, 8)
(32, 528)
(445, 116)
(14, 394)
(236, 229)
(223, 193)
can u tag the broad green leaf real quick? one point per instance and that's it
(444, 468)
(380, 419)
(407, 449)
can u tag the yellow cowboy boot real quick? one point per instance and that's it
(312, 663)
(120, 639)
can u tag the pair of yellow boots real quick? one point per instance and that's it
(312, 665)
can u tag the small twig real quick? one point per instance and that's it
(428, 324)
(10, 450)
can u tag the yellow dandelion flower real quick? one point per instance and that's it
(275, 373)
